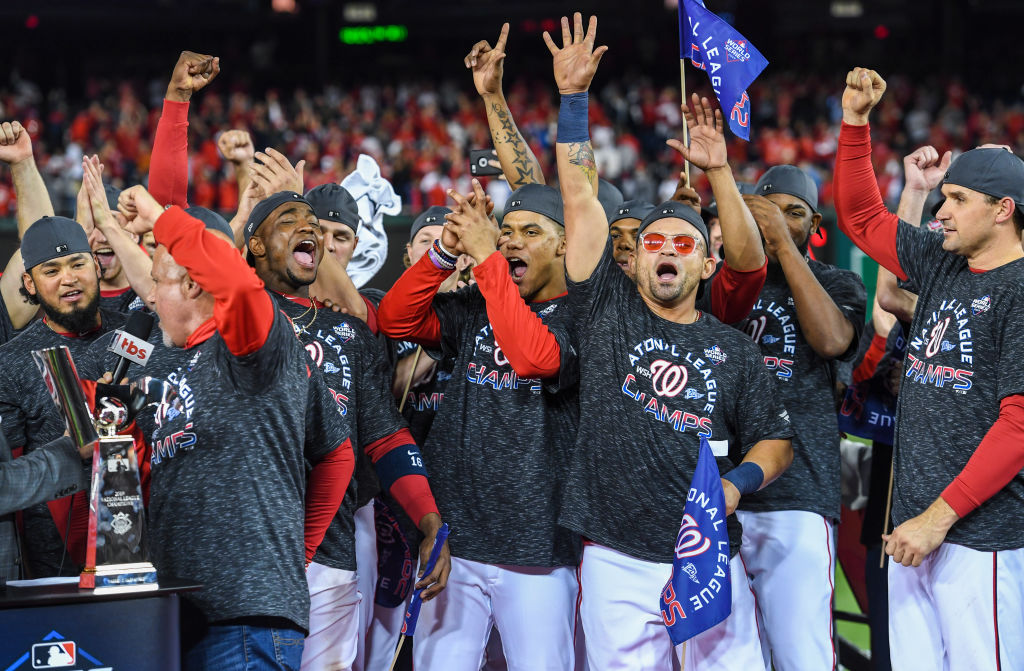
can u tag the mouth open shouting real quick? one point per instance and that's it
(517, 269)
(304, 253)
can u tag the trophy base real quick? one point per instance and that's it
(118, 578)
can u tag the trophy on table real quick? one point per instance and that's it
(116, 555)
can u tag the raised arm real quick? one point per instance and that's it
(33, 204)
(137, 265)
(514, 154)
(861, 212)
(586, 227)
(236, 148)
(168, 167)
(741, 238)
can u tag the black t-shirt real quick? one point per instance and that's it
(124, 300)
(29, 418)
(806, 384)
(964, 355)
(423, 400)
(6, 327)
(499, 448)
(226, 504)
(648, 389)
(347, 354)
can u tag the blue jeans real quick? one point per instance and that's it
(246, 648)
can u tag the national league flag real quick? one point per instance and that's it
(699, 595)
(730, 60)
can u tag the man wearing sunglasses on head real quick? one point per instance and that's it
(656, 374)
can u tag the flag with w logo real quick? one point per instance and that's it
(699, 595)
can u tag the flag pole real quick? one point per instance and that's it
(888, 510)
(686, 131)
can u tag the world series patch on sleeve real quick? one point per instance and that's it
(699, 595)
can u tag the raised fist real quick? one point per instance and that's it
(924, 169)
(864, 88)
(15, 144)
(192, 72)
(236, 146)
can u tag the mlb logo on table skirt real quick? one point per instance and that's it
(54, 655)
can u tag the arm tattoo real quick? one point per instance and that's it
(522, 162)
(582, 154)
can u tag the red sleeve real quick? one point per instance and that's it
(243, 311)
(405, 312)
(411, 491)
(997, 460)
(168, 166)
(869, 364)
(327, 484)
(371, 315)
(862, 213)
(526, 342)
(734, 292)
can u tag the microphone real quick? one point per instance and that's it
(131, 343)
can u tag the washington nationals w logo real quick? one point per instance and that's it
(667, 378)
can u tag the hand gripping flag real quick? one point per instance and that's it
(730, 60)
(698, 595)
(413, 613)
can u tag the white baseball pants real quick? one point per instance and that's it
(333, 619)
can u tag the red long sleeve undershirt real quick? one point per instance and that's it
(529, 346)
(869, 364)
(997, 460)
(243, 311)
(328, 482)
(411, 491)
(406, 311)
(734, 292)
(862, 213)
(168, 165)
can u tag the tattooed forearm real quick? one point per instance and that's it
(517, 161)
(581, 154)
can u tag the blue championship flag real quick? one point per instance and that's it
(699, 595)
(413, 612)
(730, 60)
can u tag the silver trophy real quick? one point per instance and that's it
(116, 554)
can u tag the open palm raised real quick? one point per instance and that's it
(576, 62)
(707, 141)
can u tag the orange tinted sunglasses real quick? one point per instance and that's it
(653, 242)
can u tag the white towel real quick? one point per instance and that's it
(375, 197)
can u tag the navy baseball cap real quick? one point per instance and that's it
(609, 196)
(631, 209)
(746, 188)
(992, 171)
(51, 238)
(672, 209)
(112, 193)
(333, 202)
(432, 216)
(538, 198)
(268, 205)
(790, 180)
(211, 220)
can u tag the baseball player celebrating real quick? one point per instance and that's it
(808, 316)
(655, 374)
(956, 600)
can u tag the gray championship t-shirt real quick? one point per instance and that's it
(806, 384)
(648, 389)
(498, 452)
(354, 368)
(965, 353)
(226, 505)
(31, 419)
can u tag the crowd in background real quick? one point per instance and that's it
(421, 132)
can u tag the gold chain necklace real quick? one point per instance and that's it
(313, 307)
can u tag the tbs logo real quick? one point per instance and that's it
(130, 347)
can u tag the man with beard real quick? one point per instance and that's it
(63, 279)
(656, 374)
(285, 249)
(512, 566)
(229, 479)
(809, 316)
